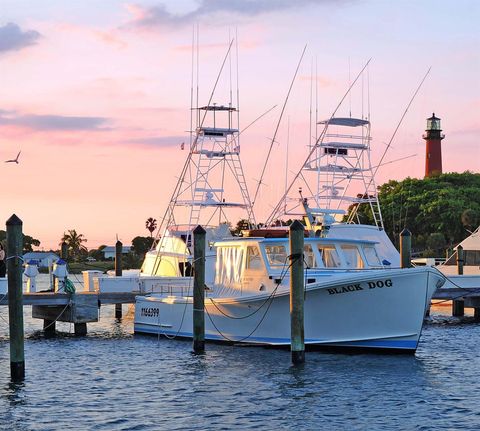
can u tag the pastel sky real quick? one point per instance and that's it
(96, 95)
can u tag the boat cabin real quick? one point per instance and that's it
(259, 264)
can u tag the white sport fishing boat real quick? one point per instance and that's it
(355, 294)
(351, 299)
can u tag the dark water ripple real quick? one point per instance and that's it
(111, 380)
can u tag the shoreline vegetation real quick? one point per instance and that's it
(440, 212)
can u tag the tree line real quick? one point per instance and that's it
(439, 211)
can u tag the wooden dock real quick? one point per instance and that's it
(55, 298)
(78, 308)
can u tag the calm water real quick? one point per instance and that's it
(112, 380)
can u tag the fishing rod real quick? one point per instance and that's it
(278, 126)
(401, 121)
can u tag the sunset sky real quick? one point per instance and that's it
(96, 95)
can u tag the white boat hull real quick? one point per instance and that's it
(373, 309)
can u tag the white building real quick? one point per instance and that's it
(44, 258)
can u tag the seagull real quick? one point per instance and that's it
(15, 160)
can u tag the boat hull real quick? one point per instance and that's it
(370, 310)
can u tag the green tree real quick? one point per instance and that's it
(141, 244)
(75, 241)
(470, 219)
(97, 254)
(151, 225)
(428, 206)
(28, 241)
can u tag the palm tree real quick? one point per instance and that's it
(151, 225)
(74, 242)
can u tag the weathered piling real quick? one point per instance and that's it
(15, 298)
(297, 343)
(118, 273)
(49, 328)
(199, 290)
(64, 251)
(405, 248)
(458, 305)
(460, 260)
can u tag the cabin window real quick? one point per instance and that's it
(352, 256)
(276, 255)
(372, 256)
(254, 260)
(329, 256)
(309, 257)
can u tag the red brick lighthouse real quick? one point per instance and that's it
(433, 137)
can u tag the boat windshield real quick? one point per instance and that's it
(372, 256)
(254, 260)
(276, 255)
(353, 259)
(329, 256)
(308, 256)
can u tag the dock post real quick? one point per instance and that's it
(458, 308)
(405, 248)
(64, 251)
(118, 273)
(199, 289)
(297, 343)
(460, 259)
(49, 328)
(476, 314)
(15, 298)
(80, 329)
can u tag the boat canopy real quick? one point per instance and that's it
(349, 122)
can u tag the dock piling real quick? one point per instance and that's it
(199, 289)
(460, 259)
(118, 273)
(458, 305)
(49, 328)
(64, 251)
(15, 298)
(405, 248)
(297, 293)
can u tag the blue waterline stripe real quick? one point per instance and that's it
(392, 344)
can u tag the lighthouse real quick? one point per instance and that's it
(433, 137)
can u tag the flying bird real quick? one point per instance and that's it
(15, 160)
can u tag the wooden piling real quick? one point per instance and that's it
(49, 328)
(118, 273)
(15, 297)
(405, 248)
(460, 259)
(64, 251)
(476, 314)
(297, 344)
(458, 307)
(80, 329)
(199, 289)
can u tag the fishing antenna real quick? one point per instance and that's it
(400, 122)
(278, 126)
(314, 148)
